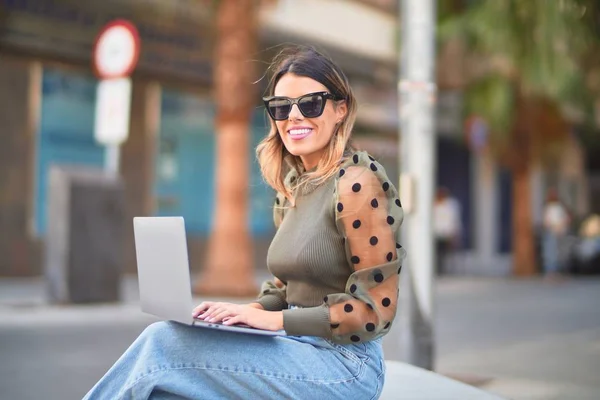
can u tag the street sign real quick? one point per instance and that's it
(116, 50)
(113, 100)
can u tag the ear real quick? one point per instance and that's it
(341, 109)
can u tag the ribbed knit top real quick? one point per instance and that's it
(337, 253)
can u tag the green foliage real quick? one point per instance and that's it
(493, 98)
(534, 46)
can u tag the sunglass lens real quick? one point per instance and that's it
(311, 106)
(279, 108)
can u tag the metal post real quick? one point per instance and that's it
(417, 95)
(112, 159)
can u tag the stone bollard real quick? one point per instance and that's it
(83, 245)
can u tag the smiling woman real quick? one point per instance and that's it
(312, 109)
(335, 256)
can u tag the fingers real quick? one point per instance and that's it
(236, 319)
(214, 312)
(201, 308)
(219, 315)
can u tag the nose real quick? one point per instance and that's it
(295, 113)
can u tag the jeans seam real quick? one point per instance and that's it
(345, 351)
(287, 378)
(379, 387)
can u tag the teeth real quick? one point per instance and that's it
(300, 131)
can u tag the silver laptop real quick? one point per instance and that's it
(164, 274)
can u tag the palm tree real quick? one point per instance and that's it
(228, 270)
(523, 73)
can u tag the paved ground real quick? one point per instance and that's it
(532, 340)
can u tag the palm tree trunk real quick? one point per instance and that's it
(228, 270)
(522, 156)
(523, 239)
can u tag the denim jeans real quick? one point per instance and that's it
(551, 252)
(175, 361)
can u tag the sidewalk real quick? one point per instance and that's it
(522, 339)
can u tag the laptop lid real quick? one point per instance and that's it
(163, 267)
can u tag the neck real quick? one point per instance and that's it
(311, 161)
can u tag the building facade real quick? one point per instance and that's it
(47, 102)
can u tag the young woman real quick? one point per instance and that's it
(335, 255)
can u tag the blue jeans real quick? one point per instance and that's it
(174, 361)
(551, 252)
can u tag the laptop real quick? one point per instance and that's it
(164, 274)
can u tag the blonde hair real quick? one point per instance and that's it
(274, 160)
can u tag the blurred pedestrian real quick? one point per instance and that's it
(335, 255)
(447, 227)
(555, 226)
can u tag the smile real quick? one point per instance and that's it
(299, 133)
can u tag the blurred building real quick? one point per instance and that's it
(47, 101)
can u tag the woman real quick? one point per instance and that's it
(335, 256)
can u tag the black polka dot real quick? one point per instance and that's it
(265, 291)
(293, 179)
(385, 186)
(374, 203)
(370, 306)
(342, 172)
(386, 326)
(378, 277)
(325, 299)
(398, 203)
(277, 200)
(355, 338)
(371, 158)
(356, 187)
(340, 207)
(355, 159)
(343, 241)
(373, 167)
(390, 220)
(335, 326)
(348, 308)
(356, 224)
(352, 288)
(389, 256)
(399, 270)
(398, 246)
(370, 327)
(373, 240)
(355, 259)
(386, 302)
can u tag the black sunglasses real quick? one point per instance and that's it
(311, 105)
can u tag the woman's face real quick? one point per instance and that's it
(304, 137)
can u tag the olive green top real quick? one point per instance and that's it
(338, 255)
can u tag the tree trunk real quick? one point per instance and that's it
(228, 270)
(522, 157)
(522, 227)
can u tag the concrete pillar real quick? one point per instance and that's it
(485, 201)
(19, 101)
(137, 160)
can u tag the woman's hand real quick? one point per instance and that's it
(231, 314)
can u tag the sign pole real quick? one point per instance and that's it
(112, 159)
(417, 94)
(116, 53)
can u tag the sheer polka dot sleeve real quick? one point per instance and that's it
(368, 215)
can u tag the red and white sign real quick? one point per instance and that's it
(116, 50)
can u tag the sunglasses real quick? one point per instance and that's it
(311, 105)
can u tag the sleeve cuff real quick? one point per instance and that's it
(313, 321)
(272, 302)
